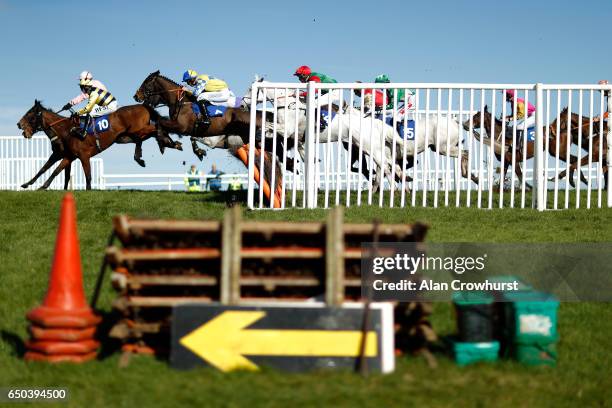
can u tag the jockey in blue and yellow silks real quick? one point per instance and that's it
(207, 89)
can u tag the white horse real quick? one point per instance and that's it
(365, 132)
(348, 123)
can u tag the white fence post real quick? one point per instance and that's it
(609, 149)
(251, 164)
(309, 149)
(540, 179)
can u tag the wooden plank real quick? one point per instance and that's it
(236, 254)
(116, 256)
(172, 280)
(385, 229)
(279, 281)
(282, 227)
(162, 301)
(281, 252)
(173, 225)
(355, 253)
(226, 257)
(334, 258)
(352, 282)
(120, 225)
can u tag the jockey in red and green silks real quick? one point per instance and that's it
(305, 75)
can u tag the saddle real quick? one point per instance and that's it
(89, 126)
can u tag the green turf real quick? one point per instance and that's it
(27, 230)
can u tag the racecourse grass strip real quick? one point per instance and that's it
(28, 228)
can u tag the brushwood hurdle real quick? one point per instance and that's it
(431, 145)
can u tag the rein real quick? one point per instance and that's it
(50, 127)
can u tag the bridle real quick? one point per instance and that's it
(180, 95)
(39, 124)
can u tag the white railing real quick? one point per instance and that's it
(16, 171)
(21, 159)
(443, 116)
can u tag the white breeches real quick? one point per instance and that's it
(522, 124)
(224, 97)
(104, 110)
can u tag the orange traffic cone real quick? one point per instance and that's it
(64, 326)
(65, 304)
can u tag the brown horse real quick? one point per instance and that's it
(484, 122)
(129, 124)
(583, 127)
(157, 90)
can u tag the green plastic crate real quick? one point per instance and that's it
(530, 317)
(536, 353)
(475, 316)
(469, 353)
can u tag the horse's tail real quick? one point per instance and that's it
(152, 112)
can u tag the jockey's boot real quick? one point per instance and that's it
(86, 122)
(204, 118)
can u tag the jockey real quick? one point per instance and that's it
(207, 89)
(404, 97)
(100, 100)
(518, 105)
(305, 74)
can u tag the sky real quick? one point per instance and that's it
(46, 44)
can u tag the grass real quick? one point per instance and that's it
(28, 227)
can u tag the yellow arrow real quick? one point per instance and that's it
(224, 341)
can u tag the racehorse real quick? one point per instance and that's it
(289, 110)
(129, 124)
(157, 90)
(480, 121)
(366, 133)
(291, 119)
(585, 126)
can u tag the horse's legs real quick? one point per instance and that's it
(54, 158)
(164, 140)
(576, 165)
(67, 176)
(65, 162)
(87, 170)
(200, 153)
(138, 153)
(465, 170)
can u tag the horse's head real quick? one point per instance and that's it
(32, 121)
(148, 90)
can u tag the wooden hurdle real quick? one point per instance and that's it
(164, 263)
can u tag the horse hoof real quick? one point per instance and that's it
(25, 185)
(200, 153)
(178, 146)
(41, 188)
(141, 162)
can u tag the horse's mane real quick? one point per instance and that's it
(158, 74)
(43, 107)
